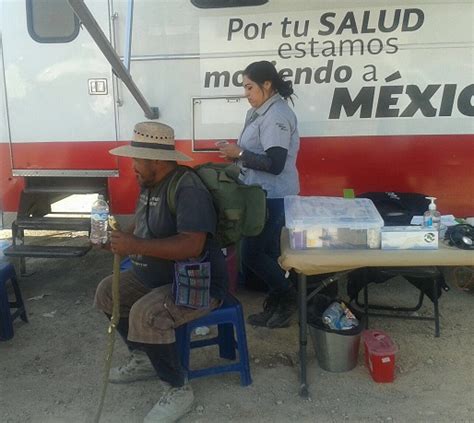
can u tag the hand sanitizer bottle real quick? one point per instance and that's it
(432, 217)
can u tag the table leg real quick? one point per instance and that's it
(302, 310)
(435, 304)
(366, 302)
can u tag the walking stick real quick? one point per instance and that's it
(113, 322)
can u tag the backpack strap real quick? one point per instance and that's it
(173, 187)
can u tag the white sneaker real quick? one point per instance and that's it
(138, 367)
(173, 404)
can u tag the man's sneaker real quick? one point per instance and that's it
(138, 367)
(270, 305)
(172, 405)
(285, 309)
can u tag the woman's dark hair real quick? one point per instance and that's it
(262, 71)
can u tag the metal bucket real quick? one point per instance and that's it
(336, 351)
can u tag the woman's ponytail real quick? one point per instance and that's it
(285, 89)
(262, 71)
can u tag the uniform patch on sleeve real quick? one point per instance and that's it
(282, 126)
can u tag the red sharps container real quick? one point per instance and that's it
(379, 355)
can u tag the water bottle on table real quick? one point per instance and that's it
(99, 221)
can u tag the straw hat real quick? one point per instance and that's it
(152, 141)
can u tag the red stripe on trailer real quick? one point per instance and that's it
(10, 187)
(438, 165)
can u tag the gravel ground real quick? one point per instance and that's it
(51, 371)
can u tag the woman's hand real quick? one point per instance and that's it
(229, 151)
(122, 243)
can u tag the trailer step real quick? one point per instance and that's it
(63, 185)
(62, 190)
(54, 223)
(41, 251)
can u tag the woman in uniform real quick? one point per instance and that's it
(266, 152)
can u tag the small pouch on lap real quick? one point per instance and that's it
(192, 281)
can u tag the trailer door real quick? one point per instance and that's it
(59, 90)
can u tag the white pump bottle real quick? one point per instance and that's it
(432, 217)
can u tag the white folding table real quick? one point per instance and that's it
(320, 261)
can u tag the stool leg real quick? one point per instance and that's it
(19, 299)
(6, 324)
(225, 334)
(245, 378)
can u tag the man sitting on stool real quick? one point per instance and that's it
(159, 238)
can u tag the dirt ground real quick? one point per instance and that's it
(51, 371)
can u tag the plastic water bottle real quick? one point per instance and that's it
(332, 315)
(99, 221)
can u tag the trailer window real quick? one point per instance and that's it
(216, 4)
(51, 21)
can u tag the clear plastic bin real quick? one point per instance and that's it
(332, 222)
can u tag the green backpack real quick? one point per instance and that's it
(241, 209)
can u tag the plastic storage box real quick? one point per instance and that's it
(379, 355)
(332, 222)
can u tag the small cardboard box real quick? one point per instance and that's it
(409, 238)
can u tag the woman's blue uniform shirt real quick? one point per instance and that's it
(273, 124)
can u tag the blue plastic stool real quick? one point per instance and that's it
(228, 316)
(7, 273)
(125, 264)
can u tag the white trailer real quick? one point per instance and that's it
(384, 92)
